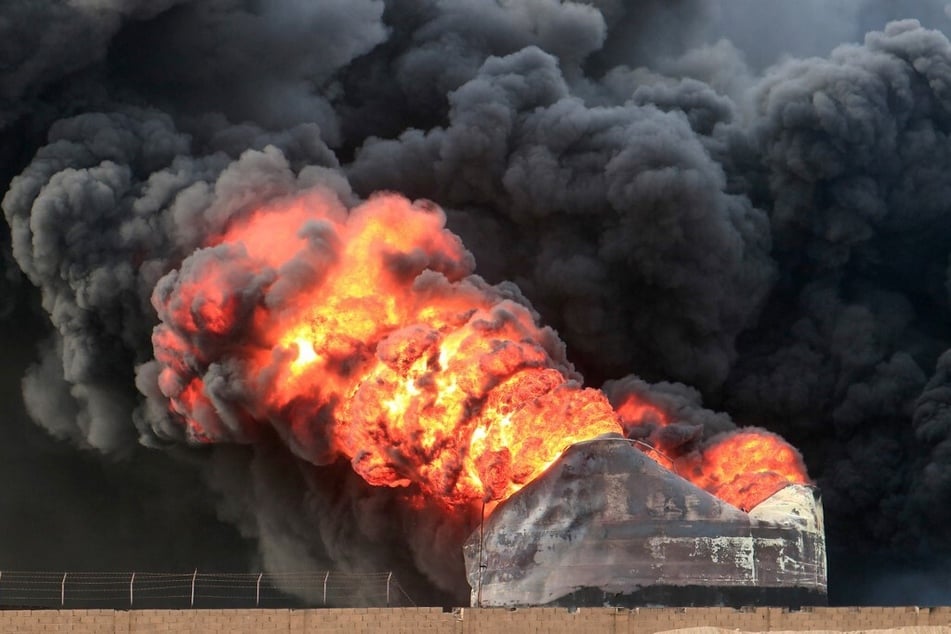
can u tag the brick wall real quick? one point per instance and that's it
(470, 620)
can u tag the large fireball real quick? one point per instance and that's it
(363, 333)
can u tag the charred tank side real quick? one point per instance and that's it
(606, 525)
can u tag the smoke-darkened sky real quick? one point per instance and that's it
(739, 208)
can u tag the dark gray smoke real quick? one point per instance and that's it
(713, 218)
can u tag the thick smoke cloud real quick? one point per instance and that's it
(620, 204)
(711, 219)
(854, 152)
(66, 510)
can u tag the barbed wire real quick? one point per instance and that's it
(44, 589)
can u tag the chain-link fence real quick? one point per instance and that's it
(199, 590)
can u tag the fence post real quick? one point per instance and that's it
(388, 577)
(482, 564)
(257, 592)
(194, 576)
(326, 576)
(131, 581)
(62, 591)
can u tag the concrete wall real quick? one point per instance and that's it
(470, 620)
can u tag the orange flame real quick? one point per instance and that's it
(635, 412)
(640, 419)
(364, 334)
(745, 467)
(388, 351)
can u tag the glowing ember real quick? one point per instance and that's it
(364, 334)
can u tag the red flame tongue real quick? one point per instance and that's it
(364, 334)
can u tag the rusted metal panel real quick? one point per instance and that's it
(607, 525)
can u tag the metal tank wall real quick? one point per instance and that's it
(606, 525)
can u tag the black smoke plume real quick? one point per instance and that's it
(735, 207)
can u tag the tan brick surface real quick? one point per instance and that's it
(479, 620)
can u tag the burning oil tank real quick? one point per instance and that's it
(606, 525)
